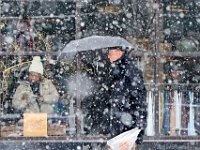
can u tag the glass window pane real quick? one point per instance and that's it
(179, 95)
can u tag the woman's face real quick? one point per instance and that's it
(34, 77)
(114, 54)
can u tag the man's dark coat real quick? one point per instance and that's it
(119, 104)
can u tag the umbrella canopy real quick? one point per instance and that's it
(96, 42)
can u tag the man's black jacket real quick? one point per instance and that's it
(119, 103)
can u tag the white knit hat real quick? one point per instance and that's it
(36, 65)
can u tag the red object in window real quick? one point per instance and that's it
(23, 27)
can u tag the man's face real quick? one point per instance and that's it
(34, 77)
(114, 54)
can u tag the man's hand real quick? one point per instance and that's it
(29, 102)
(40, 98)
(25, 96)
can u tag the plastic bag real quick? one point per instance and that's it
(124, 141)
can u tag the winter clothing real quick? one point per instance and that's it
(127, 97)
(119, 102)
(24, 98)
(36, 65)
(96, 105)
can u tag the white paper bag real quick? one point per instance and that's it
(124, 141)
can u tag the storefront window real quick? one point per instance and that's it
(165, 37)
(179, 98)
